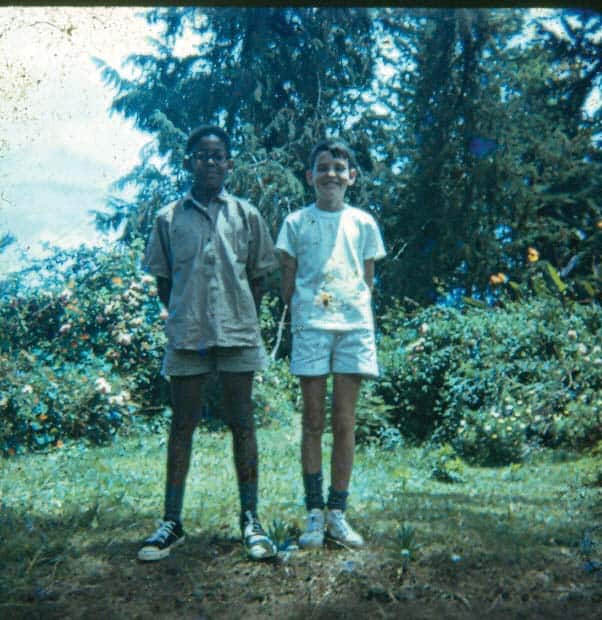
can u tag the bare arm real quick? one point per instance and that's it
(164, 290)
(369, 272)
(258, 288)
(288, 271)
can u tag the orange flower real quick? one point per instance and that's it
(599, 224)
(59, 443)
(532, 255)
(42, 417)
(117, 280)
(498, 278)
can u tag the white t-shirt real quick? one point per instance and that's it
(330, 248)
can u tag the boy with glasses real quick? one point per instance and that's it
(210, 252)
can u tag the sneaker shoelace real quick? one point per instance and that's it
(252, 526)
(165, 530)
(314, 523)
(342, 524)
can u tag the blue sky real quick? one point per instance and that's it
(59, 148)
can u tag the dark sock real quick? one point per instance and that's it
(337, 500)
(248, 498)
(174, 498)
(313, 491)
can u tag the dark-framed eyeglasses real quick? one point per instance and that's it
(205, 156)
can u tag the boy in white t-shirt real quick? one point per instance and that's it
(327, 253)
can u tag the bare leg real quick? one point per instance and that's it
(314, 393)
(345, 394)
(186, 396)
(238, 412)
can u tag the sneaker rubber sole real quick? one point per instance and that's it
(152, 554)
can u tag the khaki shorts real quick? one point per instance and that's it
(181, 362)
(319, 352)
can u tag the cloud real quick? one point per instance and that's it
(60, 151)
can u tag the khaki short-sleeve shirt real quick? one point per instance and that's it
(210, 254)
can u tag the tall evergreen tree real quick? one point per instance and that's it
(275, 78)
(492, 162)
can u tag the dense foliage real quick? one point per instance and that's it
(479, 162)
(80, 358)
(495, 383)
(471, 136)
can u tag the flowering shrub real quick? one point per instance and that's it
(81, 342)
(496, 383)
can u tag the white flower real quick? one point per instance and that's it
(572, 334)
(102, 385)
(136, 321)
(123, 338)
(65, 295)
(27, 389)
(424, 327)
(147, 279)
(163, 314)
(65, 327)
(581, 349)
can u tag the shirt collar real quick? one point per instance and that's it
(190, 201)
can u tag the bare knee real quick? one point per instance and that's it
(183, 424)
(313, 425)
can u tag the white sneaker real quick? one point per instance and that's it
(313, 536)
(340, 531)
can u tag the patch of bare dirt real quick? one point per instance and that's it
(210, 578)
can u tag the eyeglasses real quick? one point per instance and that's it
(205, 156)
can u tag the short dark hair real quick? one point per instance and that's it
(337, 148)
(207, 130)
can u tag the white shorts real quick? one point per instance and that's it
(319, 352)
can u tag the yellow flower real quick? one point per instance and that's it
(324, 299)
(532, 255)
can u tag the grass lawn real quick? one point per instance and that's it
(514, 542)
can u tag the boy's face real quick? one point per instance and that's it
(331, 176)
(209, 163)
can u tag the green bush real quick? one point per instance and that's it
(495, 383)
(276, 394)
(81, 345)
(447, 467)
(81, 341)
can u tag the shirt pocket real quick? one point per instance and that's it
(185, 244)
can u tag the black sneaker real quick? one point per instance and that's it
(256, 541)
(169, 534)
